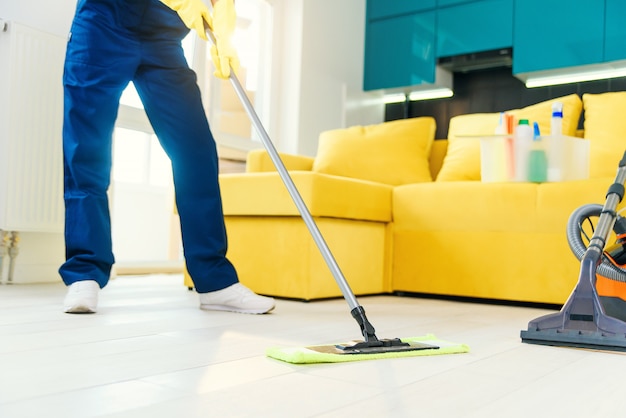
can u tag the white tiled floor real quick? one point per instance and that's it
(150, 352)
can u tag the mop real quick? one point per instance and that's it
(583, 321)
(371, 347)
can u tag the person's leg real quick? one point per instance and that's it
(172, 101)
(171, 97)
(99, 64)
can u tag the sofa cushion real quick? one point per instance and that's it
(488, 240)
(605, 127)
(465, 206)
(391, 153)
(462, 162)
(264, 194)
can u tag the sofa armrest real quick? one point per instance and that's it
(259, 161)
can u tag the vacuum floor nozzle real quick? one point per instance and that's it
(576, 339)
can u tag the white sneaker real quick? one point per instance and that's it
(236, 298)
(82, 297)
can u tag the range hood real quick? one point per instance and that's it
(478, 61)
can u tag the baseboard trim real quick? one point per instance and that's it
(149, 267)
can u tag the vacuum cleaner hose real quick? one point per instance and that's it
(578, 247)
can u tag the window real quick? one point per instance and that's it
(139, 159)
(252, 40)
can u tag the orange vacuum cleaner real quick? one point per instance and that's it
(594, 314)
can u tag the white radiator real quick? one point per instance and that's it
(31, 115)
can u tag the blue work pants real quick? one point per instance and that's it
(113, 42)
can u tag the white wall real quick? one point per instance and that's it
(332, 71)
(53, 16)
(286, 75)
(318, 72)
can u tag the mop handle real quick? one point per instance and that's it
(291, 188)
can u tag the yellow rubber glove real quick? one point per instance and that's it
(223, 53)
(193, 13)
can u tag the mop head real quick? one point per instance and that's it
(428, 345)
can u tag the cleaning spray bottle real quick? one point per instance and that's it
(555, 145)
(523, 142)
(501, 128)
(537, 158)
(556, 122)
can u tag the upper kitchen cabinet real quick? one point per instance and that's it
(399, 51)
(552, 34)
(377, 9)
(615, 31)
(445, 3)
(474, 27)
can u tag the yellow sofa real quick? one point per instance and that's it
(402, 212)
(270, 244)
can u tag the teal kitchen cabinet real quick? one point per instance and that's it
(615, 31)
(551, 34)
(445, 3)
(400, 51)
(474, 27)
(377, 9)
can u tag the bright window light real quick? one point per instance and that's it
(130, 156)
(130, 97)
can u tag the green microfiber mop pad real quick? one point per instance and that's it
(307, 355)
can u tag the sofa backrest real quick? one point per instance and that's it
(370, 152)
(605, 128)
